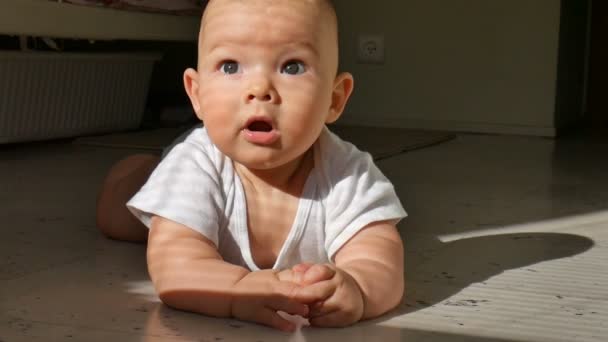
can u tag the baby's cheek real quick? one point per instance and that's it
(216, 96)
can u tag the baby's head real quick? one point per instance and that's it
(267, 79)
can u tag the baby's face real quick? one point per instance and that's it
(266, 73)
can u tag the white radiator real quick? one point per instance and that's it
(55, 95)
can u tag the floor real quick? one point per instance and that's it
(507, 240)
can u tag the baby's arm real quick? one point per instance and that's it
(189, 274)
(365, 282)
(374, 258)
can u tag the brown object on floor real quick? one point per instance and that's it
(380, 142)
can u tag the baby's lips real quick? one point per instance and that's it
(261, 138)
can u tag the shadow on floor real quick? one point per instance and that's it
(451, 267)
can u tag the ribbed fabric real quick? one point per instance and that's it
(55, 95)
(196, 185)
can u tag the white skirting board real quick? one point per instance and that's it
(46, 95)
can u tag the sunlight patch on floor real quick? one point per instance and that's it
(143, 289)
(562, 224)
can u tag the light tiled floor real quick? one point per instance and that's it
(507, 240)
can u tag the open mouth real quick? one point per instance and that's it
(259, 126)
(261, 131)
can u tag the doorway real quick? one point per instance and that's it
(597, 91)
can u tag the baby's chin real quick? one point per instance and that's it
(260, 164)
(264, 158)
(277, 160)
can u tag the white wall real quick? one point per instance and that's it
(476, 65)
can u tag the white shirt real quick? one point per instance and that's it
(197, 186)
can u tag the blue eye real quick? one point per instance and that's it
(230, 67)
(293, 68)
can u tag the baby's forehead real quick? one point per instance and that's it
(327, 4)
(319, 10)
(304, 18)
(275, 24)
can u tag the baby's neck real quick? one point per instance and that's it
(289, 178)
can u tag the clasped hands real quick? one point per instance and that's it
(325, 294)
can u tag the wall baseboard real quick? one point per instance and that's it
(452, 126)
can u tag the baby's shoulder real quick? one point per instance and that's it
(198, 150)
(338, 157)
(199, 140)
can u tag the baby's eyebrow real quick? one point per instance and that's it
(222, 48)
(295, 46)
(306, 46)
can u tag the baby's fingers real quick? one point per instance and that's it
(315, 292)
(332, 313)
(298, 272)
(271, 318)
(333, 318)
(337, 311)
(317, 273)
(302, 267)
(288, 305)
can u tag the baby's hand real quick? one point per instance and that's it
(305, 274)
(259, 295)
(341, 300)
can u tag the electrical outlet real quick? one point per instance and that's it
(370, 48)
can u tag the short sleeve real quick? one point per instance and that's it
(359, 194)
(185, 188)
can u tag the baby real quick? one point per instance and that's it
(263, 209)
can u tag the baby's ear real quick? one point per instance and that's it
(191, 84)
(343, 88)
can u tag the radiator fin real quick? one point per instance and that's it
(57, 95)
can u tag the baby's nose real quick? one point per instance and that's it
(261, 96)
(261, 90)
